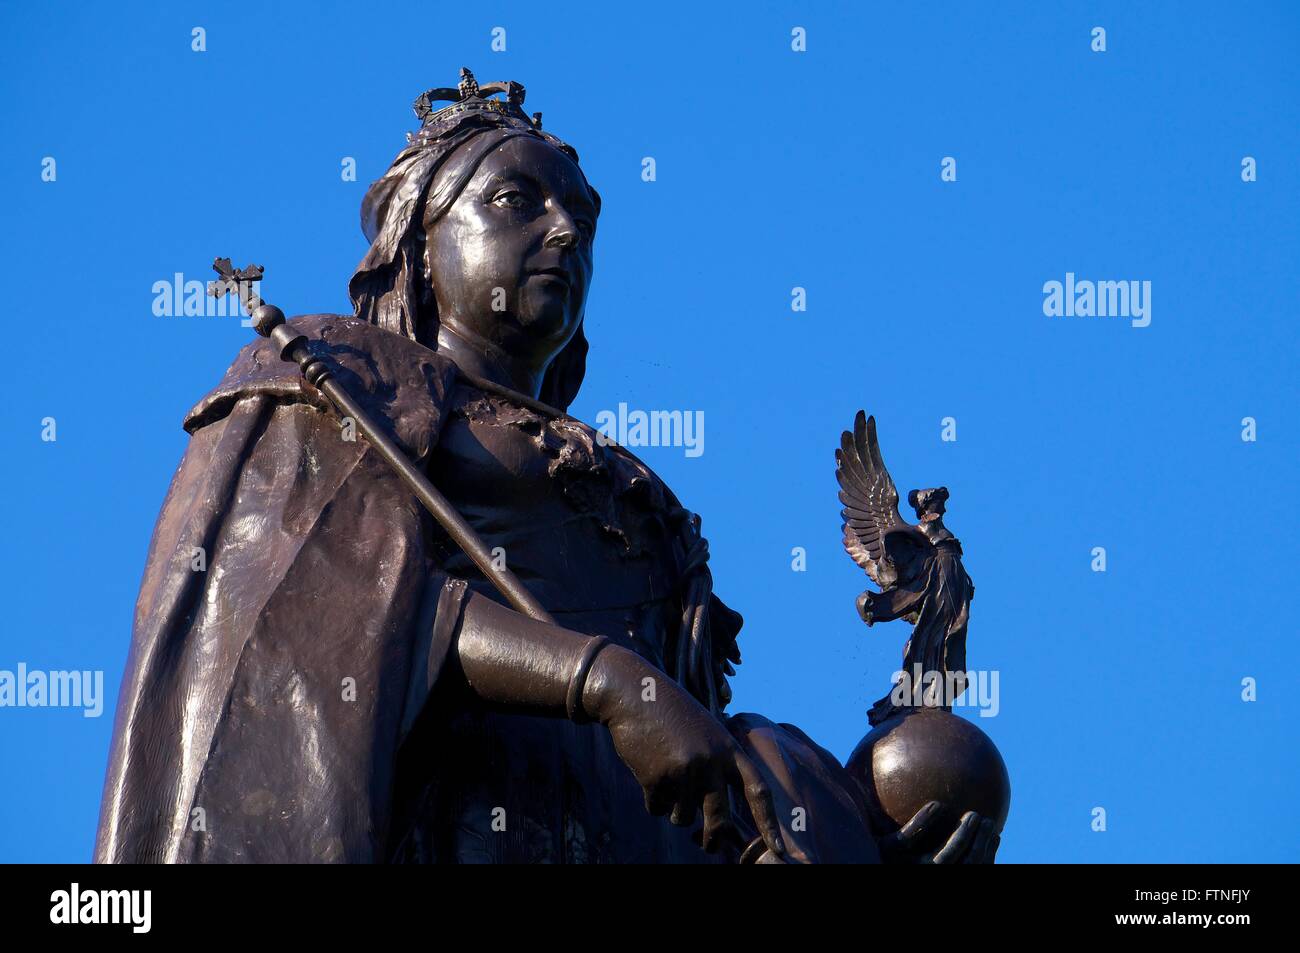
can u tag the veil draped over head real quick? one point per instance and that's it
(388, 287)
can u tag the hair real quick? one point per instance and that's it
(389, 288)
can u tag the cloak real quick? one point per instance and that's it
(290, 620)
(294, 620)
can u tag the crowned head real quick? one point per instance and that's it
(483, 228)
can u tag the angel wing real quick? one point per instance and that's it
(875, 535)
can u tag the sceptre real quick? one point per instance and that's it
(268, 321)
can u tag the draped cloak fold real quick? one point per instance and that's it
(286, 596)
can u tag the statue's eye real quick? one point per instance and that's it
(512, 198)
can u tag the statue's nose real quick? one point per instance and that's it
(564, 233)
(562, 239)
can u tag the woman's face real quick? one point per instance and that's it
(510, 261)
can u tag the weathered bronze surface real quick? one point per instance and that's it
(345, 681)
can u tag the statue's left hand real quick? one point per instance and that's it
(973, 842)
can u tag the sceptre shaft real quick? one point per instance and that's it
(269, 322)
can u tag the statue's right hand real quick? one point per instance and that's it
(682, 756)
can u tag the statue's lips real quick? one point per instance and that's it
(557, 273)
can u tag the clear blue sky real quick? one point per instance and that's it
(776, 169)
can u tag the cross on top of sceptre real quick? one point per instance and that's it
(238, 281)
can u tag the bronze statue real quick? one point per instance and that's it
(326, 664)
(919, 755)
(918, 567)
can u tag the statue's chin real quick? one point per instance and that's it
(546, 321)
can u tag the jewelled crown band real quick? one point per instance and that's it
(471, 104)
(469, 96)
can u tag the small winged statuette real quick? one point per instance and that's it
(918, 569)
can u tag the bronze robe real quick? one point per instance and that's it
(284, 699)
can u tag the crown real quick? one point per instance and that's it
(470, 97)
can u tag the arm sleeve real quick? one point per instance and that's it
(818, 804)
(896, 603)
